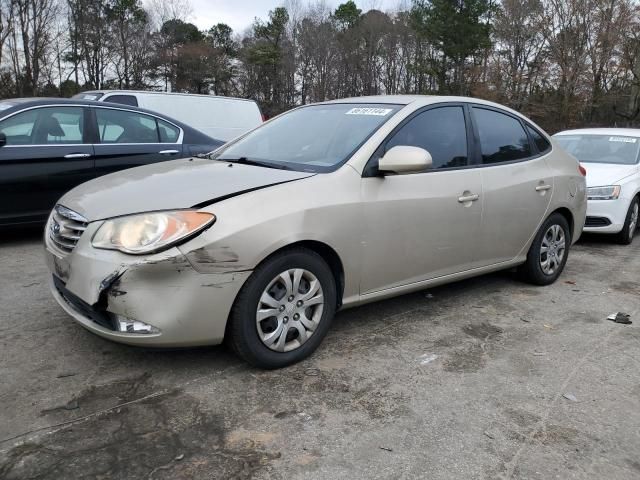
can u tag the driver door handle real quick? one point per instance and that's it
(542, 188)
(77, 155)
(168, 152)
(468, 198)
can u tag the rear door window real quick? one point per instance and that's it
(441, 131)
(45, 126)
(122, 99)
(121, 126)
(502, 138)
(542, 144)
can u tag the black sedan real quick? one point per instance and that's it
(50, 145)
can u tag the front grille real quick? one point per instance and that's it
(597, 222)
(95, 313)
(65, 228)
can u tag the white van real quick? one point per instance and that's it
(222, 118)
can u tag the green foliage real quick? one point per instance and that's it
(178, 32)
(347, 15)
(266, 54)
(69, 88)
(220, 36)
(456, 28)
(129, 11)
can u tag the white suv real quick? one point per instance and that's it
(613, 177)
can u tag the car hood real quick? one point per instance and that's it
(602, 174)
(170, 185)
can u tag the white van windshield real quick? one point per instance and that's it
(601, 148)
(89, 96)
(317, 138)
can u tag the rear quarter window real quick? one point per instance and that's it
(168, 133)
(542, 144)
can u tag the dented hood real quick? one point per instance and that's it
(170, 185)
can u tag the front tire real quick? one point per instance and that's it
(625, 237)
(548, 253)
(284, 310)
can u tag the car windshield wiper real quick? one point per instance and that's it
(257, 163)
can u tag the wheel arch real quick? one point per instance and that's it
(566, 213)
(328, 254)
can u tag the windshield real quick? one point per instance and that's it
(317, 138)
(601, 148)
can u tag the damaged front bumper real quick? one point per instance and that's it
(119, 296)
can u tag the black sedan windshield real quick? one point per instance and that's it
(316, 138)
(601, 148)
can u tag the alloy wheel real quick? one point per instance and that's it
(289, 310)
(552, 250)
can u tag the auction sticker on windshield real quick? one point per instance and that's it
(622, 139)
(381, 112)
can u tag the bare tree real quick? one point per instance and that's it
(519, 49)
(608, 25)
(6, 23)
(161, 11)
(30, 40)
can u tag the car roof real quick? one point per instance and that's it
(151, 92)
(624, 132)
(424, 100)
(42, 101)
(35, 101)
(417, 99)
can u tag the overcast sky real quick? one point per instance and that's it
(239, 14)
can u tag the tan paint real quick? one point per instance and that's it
(393, 234)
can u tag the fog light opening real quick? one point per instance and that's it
(126, 325)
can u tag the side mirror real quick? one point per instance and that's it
(405, 159)
(3, 139)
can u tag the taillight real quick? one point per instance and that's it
(582, 170)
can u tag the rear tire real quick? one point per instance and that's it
(548, 253)
(625, 237)
(275, 323)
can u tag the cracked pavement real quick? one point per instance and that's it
(485, 378)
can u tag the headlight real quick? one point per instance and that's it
(610, 192)
(150, 232)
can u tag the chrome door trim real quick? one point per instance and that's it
(81, 144)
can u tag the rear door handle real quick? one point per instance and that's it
(168, 152)
(77, 155)
(468, 198)
(542, 188)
